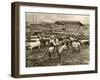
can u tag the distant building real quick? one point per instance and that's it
(57, 28)
(69, 27)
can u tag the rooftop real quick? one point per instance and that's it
(68, 22)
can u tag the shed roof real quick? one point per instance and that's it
(68, 22)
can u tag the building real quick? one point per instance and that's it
(69, 27)
(57, 28)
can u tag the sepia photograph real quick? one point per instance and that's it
(52, 39)
(55, 39)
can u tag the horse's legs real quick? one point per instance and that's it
(58, 53)
(59, 56)
(39, 47)
(50, 58)
(49, 55)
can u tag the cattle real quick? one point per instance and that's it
(84, 43)
(76, 46)
(33, 44)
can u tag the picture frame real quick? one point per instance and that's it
(22, 11)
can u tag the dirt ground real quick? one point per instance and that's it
(37, 58)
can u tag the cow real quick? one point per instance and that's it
(32, 44)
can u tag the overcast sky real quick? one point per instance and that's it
(45, 17)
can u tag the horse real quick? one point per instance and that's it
(57, 49)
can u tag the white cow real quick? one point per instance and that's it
(75, 44)
(84, 42)
(33, 44)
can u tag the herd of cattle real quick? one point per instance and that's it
(68, 42)
(56, 44)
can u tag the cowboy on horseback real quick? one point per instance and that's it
(56, 47)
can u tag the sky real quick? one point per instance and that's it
(47, 17)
